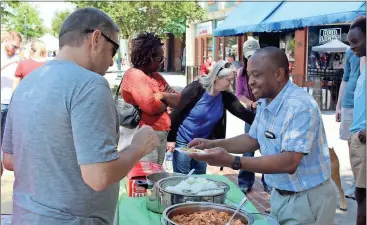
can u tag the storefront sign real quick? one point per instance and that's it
(204, 28)
(327, 35)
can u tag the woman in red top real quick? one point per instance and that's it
(143, 86)
(206, 67)
(37, 56)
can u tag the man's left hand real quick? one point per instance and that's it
(158, 96)
(362, 136)
(214, 157)
(168, 89)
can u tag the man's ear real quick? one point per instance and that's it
(95, 38)
(280, 74)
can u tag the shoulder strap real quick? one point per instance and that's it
(118, 90)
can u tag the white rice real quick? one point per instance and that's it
(197, 186)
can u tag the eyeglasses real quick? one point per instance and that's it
(225, 66)
(115, 45)
(14, 47)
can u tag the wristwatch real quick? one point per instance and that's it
(236, 164)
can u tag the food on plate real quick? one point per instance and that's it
(196, 186)
(187, 149)
(209, 217)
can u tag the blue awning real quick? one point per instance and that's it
(245, 17)
(277, 16)
(291, 15)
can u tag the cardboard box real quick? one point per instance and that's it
(139, 172)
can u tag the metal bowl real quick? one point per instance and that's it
(168, 198)
(152, 196)
(187, 208)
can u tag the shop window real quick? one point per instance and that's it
(325, 69)
(325, 60)
(209, 47)
(287, 44)
(229, 4)
(213, 6)
(220, 48)
(231, 49)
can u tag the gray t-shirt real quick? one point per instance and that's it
(61, 116)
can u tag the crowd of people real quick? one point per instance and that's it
(60, 126)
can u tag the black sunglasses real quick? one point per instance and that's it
(115, 45)
(225, 66)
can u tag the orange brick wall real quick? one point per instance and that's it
(300, 54)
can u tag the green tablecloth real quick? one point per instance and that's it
(133, 211)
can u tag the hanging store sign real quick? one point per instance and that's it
(204, 28)
(327, 35)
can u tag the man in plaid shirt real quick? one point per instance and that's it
(289, 132)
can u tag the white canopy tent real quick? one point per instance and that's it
(52, 43)
(332, 46)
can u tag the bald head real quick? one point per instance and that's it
(268, 72)
(276, 57)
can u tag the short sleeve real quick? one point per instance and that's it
(19, 70)
(253, 129)
(93, 120)
(347, 68)
(7, 142)
(301, 131)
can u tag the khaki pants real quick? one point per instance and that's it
(357, 155)
(311, 207)
(158, 155)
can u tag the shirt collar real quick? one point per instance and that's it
(274, 106)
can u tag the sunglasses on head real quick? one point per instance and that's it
(225, 66)
(115, 45)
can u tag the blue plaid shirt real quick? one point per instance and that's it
(294, 118)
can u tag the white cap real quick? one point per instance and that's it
(250, 46)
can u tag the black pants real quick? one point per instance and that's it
(360, 194)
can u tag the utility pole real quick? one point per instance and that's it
(25, 27)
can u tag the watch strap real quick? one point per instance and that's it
(236, 164)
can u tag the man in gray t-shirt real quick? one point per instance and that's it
(61, 133)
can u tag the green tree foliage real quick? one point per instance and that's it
(159, 17)
(7, 8)
(57, 21)
(25, 19)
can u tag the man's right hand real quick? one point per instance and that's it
(201, 143)
(338, 116)
(145, 139)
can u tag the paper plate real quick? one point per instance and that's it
(193, 150)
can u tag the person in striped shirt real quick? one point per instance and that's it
(289, 132)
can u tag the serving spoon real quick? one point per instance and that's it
(244, 200)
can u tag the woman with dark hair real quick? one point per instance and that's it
(202, 114)
(143, 86)
(244, 94)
